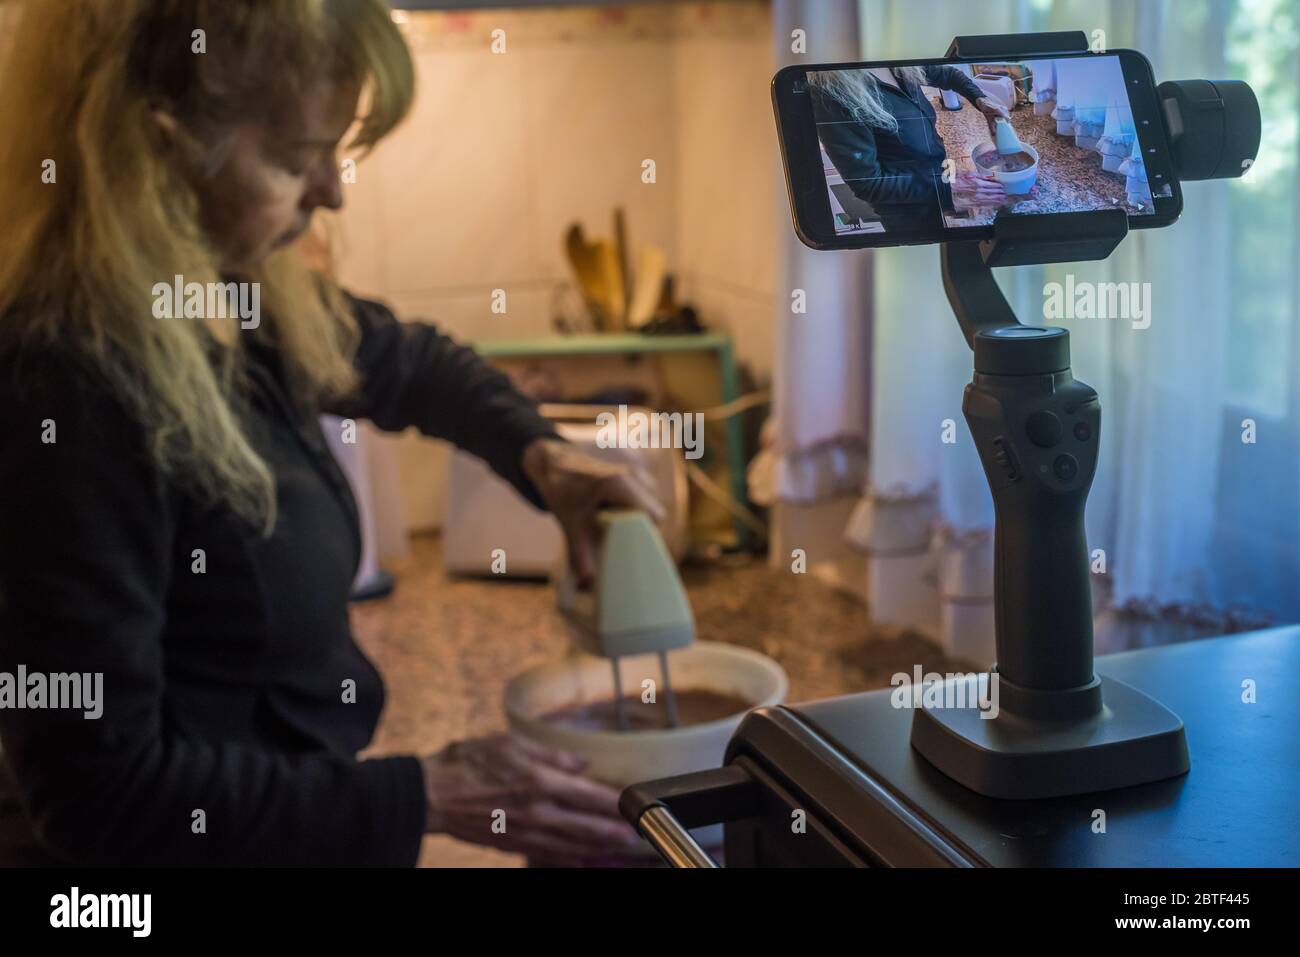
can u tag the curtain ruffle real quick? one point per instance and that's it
(895, 522)
(831, 469)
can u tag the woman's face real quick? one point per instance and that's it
(274, 177)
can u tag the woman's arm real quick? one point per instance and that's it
(413, 375)
(950, 78)
(86, 554)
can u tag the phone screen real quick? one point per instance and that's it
(927, 151)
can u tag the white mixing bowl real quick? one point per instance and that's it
(1017, 183)
(621, 758)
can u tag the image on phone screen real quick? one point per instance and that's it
(913, 148)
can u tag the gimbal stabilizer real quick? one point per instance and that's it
(1061, 729)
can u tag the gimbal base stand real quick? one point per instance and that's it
(1058, 728)
(1131, 739)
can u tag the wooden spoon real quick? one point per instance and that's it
(583, 259)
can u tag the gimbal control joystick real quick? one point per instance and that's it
(1040, 478)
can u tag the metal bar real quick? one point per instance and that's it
(673, 842)
(620, 706)
(669, 696)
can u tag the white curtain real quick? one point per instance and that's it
(1196, 503)
(1088, 101)
(823, 331)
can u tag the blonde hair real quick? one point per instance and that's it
(80, 84)
(859, 92)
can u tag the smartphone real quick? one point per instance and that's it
(905, 152)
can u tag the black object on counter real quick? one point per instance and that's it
(1062, 729)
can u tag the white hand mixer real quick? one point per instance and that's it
(637, 604)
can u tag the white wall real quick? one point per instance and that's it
(726, 150)
(503, 151)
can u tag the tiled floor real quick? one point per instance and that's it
(447, 647)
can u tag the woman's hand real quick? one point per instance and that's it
(992, 110)
(575, 486)
(508, 792)
(976, 191)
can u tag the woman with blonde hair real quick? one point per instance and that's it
(878, 128)
(175, 533)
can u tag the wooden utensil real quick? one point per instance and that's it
(648, 285)
(611, 285)
(587, 269)
(623, 287)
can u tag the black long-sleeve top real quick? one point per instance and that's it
(898, 172)
(223, 691)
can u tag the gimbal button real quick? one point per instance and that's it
(1066, 467)
(1044, 429)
